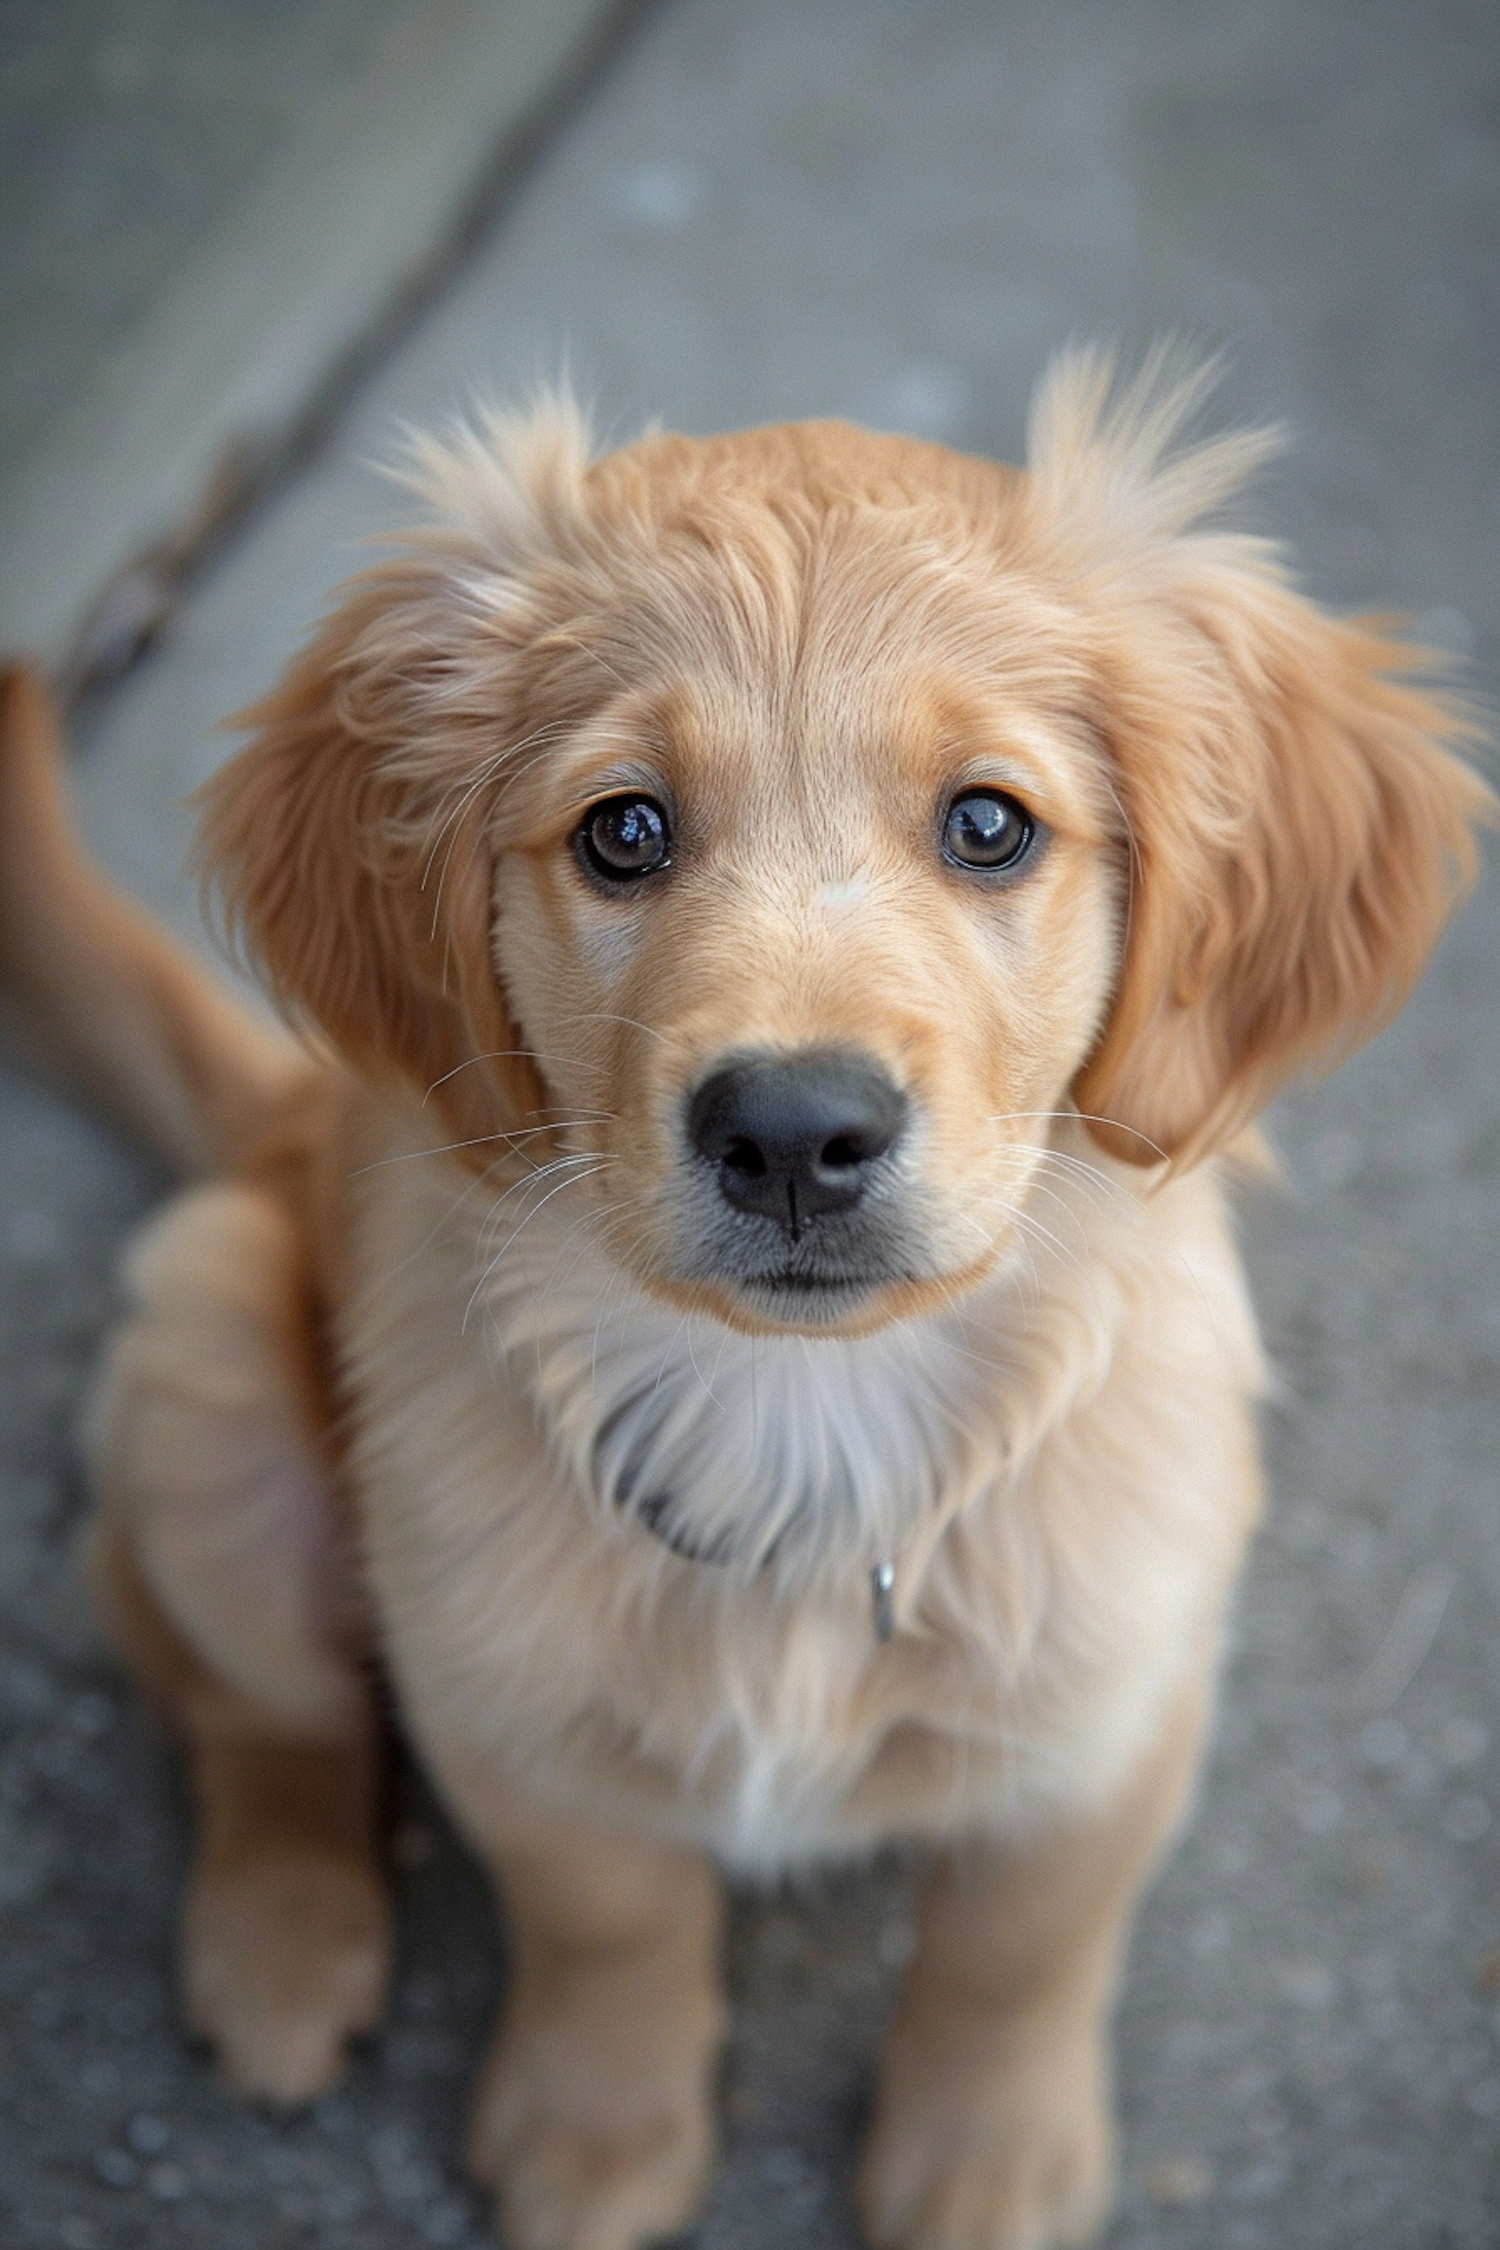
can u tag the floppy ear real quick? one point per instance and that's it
(1298, 833)
(348, 843)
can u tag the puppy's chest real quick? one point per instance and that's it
(747, 1705)
(723, 1672)
(693, 1698)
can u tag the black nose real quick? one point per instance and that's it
(793, 1138)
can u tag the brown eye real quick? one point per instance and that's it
(986, 829)
(622, 838)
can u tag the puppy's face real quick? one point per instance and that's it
(811, 938)
(780, 829)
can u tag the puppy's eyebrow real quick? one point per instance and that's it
(590, 775)
(560, 786)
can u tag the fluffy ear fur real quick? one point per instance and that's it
(347, 843)
(1298, 832)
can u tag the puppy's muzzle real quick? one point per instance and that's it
(795, 1138)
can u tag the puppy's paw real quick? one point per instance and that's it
(1025, 2165)
(284, 1959)
(575, 2169)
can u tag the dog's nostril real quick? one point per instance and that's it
(745, 1158)
(842, 1152)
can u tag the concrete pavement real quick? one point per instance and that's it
(896, 211)
(222, 218)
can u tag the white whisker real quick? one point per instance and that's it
(487, 1275)
(606, 1015)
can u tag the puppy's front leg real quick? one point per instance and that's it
(993, 2128)
(594, 2116)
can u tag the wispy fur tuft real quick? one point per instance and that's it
(509, 479)
(1110, 466)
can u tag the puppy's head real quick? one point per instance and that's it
(798, 822)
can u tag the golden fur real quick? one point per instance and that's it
(456, 1293)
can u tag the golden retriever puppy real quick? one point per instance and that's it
(733, 1307)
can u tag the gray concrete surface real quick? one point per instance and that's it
(215, 299)
(128, 132)
(896, 211)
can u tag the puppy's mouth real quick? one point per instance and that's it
(848, 1298)
(789, 1299)
(793, 1284)
(789, 1281)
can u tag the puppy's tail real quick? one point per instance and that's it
(101, 995)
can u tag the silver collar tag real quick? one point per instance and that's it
(882, 1594)
(651, 1515)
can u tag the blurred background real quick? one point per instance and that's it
(245, 243)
